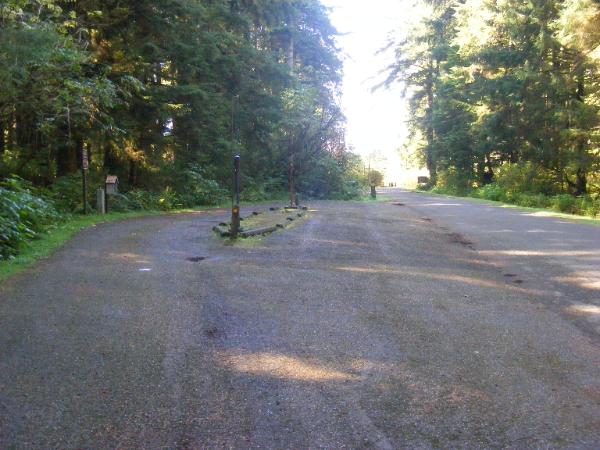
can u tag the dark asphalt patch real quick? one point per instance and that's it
(458, 238)
(196, 259)
(213, 333)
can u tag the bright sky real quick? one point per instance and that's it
(376, 121)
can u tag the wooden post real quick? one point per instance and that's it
(235, 210)
(84, 168)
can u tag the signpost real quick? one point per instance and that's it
(235, 210)
(85, 165)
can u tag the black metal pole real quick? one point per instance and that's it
(235, 210)
(236, 164)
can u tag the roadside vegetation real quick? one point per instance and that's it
(504, 100)
(521, 185)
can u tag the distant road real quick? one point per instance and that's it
(411, 322)
(553, 253)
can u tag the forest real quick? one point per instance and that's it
(504, 99)
(163, 94)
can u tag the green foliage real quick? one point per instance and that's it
(532, 200)
(526, 177)
(253, 190)
(451, 181)
(156, 90)
(376, 177)
(22, 215)
(66, 193)
(491, 192)
(565, 203)
(585, 205)
(199, 189)
(340, 178)
(509, 90)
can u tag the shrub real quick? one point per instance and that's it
(122, 203)
(66, 192)
(491, 192)
(526, 177)
(143, 200)
(200, 190)
(22, 215)
(564, 203)
(532, 200)
(452, 182)
(168, 200)
(590, 206)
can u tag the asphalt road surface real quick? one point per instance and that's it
(412, 322)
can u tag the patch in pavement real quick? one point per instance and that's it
(458, 238)
(196, 259)
(213, 333)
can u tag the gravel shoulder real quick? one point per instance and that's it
(367, 325)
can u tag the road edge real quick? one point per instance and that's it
(541, 212)
(58, 236)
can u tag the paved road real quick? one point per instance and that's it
(414, 322)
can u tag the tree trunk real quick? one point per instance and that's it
(580, 182)
(429, 133)
(291, 49)
(110, 159)
(132, 177)
(292, 179)
(79, 146)
(66, 155)
(2, 141)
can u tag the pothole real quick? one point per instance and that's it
(196, 259)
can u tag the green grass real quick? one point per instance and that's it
(541, 211)
(60, 234)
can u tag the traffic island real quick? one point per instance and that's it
(261, 223)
